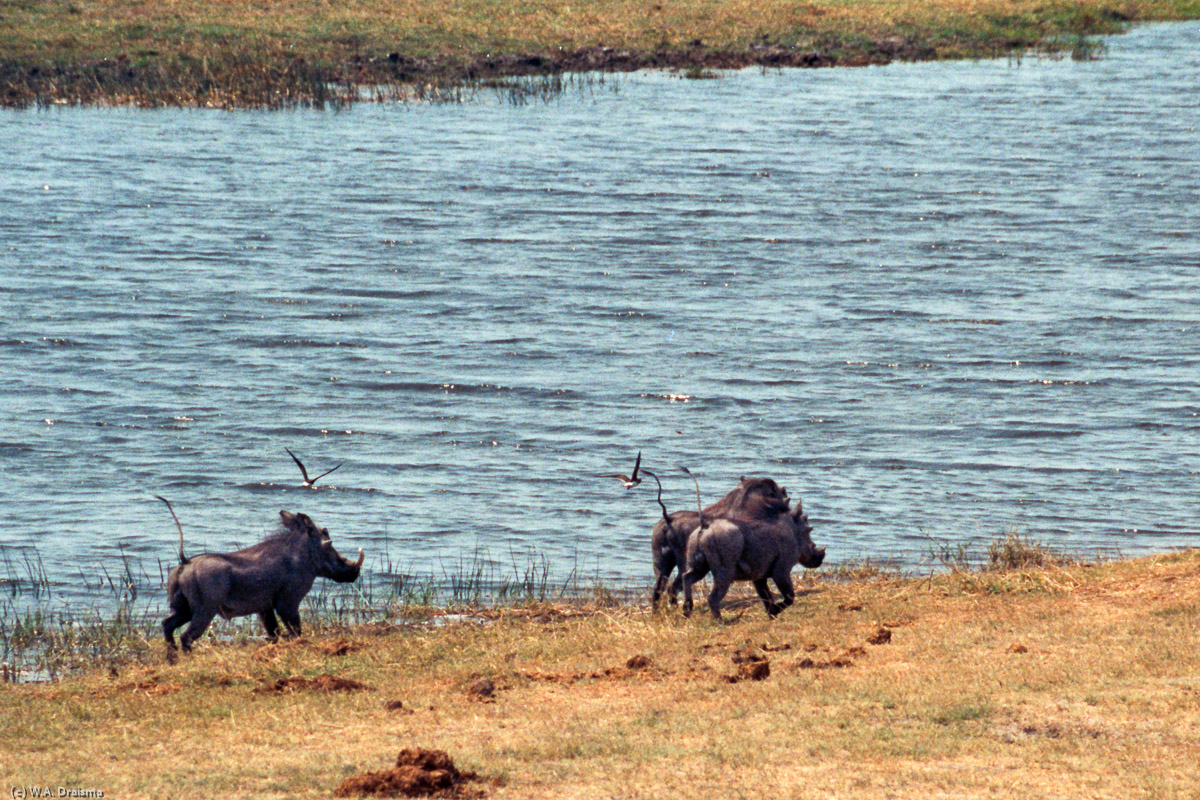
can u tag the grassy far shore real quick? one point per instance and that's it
(1016, 680)
(273, 53)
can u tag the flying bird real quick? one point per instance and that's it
(308, 482)
(630, 481)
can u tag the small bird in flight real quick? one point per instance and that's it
(308, 482)
(630, 481)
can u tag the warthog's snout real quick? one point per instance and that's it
(813, 558)
(348, 571)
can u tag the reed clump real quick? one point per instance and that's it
(238, 54)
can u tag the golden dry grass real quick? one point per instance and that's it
(1060, 681)
(287, 52)
(48, 29)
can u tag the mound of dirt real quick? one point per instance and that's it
(754, 670)
(418, 773)
(881, 636)
(321, 683)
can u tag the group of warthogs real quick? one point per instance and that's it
(751, 534)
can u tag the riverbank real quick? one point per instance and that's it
(1050, 680)
(236, 53)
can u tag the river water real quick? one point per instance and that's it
(939, 302)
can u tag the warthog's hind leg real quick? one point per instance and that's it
(722, 578)
(676, 585)
(200, 622)
(662, 574)
(182, 615)
(696, 572)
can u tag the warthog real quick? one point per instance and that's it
(272, 576)
(753, 499)
(750, 550)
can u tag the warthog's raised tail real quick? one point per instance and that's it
(182, 557)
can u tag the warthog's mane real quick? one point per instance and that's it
(735, 502)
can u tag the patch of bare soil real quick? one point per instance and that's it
(148, 684)
(150, 687)
(321, 683)
(638, 665)
(418, 773)
(1014, 733)
(340, 647)
(542, 614)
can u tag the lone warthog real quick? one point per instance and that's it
(272, 576)
(750, 550)
(753, 499)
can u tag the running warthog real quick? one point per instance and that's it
(750, 550)
(272, 576)
(753, 499)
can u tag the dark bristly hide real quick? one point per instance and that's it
(270, 577)
(758, 499)
(750, 549)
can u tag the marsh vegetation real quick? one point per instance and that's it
(243, 54)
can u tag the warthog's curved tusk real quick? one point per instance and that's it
(361, 555)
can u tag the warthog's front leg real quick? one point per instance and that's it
(783, 580)
(270, 623)
(291, 619)
(764, 592)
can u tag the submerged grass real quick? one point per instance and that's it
(238, 53)
(883, 685)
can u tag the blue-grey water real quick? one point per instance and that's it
(939, 302)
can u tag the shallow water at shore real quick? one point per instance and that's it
(933, 300)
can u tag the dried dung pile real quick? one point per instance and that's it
(418, 773)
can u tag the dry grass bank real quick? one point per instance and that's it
(288, 52)
(1050, 681)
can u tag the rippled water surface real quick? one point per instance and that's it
(933, 300)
